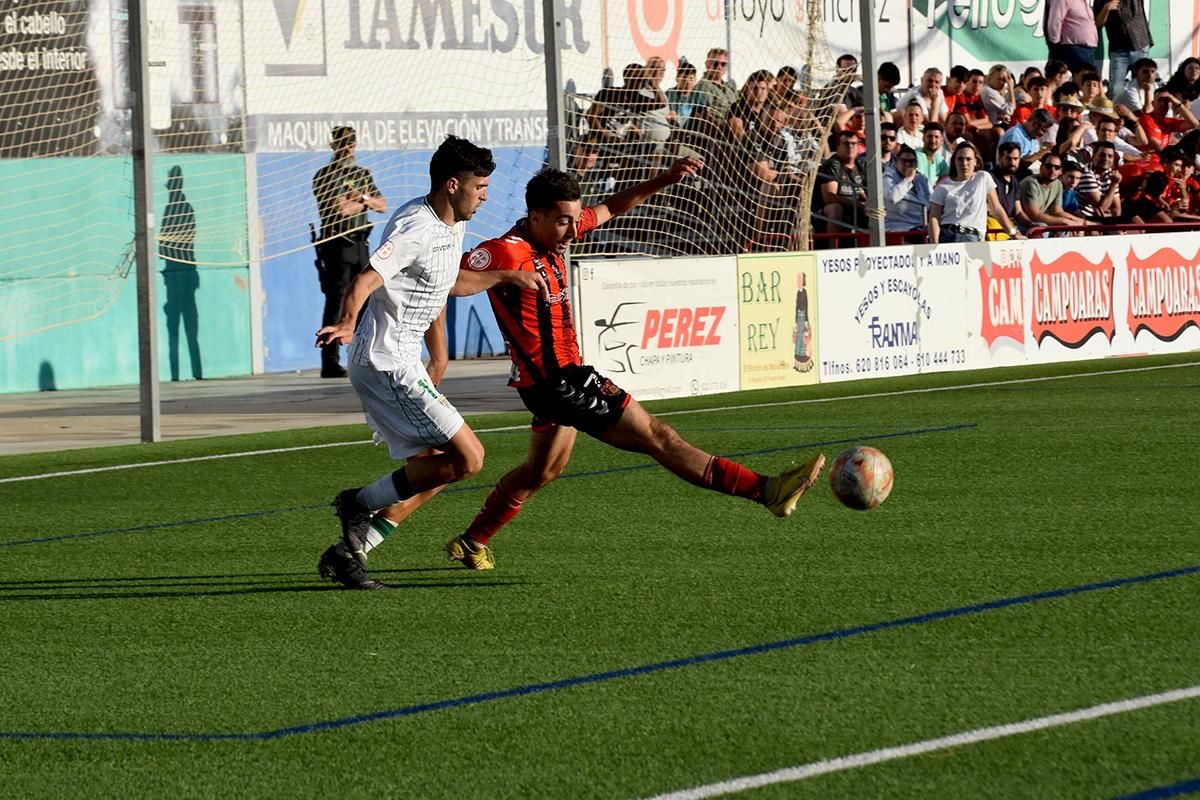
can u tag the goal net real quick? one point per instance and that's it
(243, 98)
(660, 84)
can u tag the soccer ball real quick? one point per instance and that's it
(861, 477)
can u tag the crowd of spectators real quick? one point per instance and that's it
(965, 155)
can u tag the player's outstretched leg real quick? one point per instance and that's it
(640, 431)
(781, 492)
(549, 451)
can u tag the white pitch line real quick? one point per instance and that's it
(793, 774)
(746, 406)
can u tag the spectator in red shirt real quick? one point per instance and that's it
(1161, 129)
(1039, 97)
(1147, 204)
(955, 82)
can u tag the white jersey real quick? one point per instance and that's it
(418, 261)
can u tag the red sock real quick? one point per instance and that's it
(498, 509)
(730, 477)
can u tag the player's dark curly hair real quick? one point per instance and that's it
(456, 156)
(550, 186)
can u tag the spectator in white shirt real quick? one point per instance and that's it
(959, 205)
(912, 126)
(929, 95)
(1138, 94)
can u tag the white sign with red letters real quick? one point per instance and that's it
(661, 328)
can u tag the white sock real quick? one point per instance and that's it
(381, 528)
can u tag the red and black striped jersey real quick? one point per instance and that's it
(540, 335)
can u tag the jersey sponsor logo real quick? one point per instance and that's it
(479, 259)
(386, 249)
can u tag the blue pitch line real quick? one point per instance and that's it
(475, 488)
(627, 672)
(1158, 792)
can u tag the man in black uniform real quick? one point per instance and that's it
(345, 193)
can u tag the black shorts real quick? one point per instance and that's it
(578, 397)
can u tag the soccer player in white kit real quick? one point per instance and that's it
(405, 288)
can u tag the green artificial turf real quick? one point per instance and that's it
(196, 609)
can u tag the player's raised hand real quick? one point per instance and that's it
(340, 333)
(685, 168)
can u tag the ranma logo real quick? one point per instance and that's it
(1002, 312)
(1072, 299)
(1164, 293)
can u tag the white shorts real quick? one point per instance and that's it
(404, 409)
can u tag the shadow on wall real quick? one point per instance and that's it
(177, 246)
(46, 377)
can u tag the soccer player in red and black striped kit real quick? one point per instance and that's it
(566, 395)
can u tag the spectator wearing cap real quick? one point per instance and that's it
(905, 193)
(1071, 32)
(1128, 33)
(1041, 195)
(1027, 135)
(1067, 134)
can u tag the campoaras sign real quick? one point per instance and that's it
(1072, 298)
(1002, 294)
(1164, 293)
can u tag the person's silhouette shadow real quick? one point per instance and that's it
(177, 246)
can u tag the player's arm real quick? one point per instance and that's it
(470, 281)
(357, 293)
(439, 353)
(624, 201)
